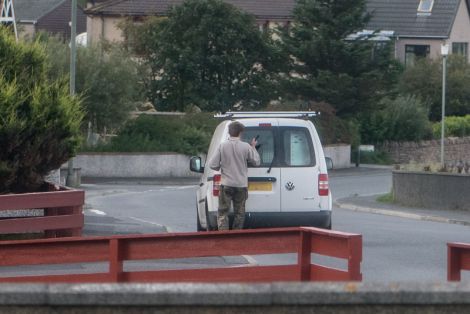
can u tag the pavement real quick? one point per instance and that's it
(369, 204)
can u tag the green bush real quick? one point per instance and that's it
(424, 80)
(401, 119)
(106, 76)
(40, 121)
(331, 128)
(454, 126)
(189, 134)
(375, 158)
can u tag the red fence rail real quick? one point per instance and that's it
(458, 259)
(115, 250)
(62, 213)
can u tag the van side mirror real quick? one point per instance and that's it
(195, 164)
(329, 163)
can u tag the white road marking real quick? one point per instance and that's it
(98, 212)
(148, 222)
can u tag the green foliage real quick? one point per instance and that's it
(400, 119)
(351, 75)
(375, 158)
(386, 198)
(189, 134)
(425, 81)
(106, 76)
(206, 53)
(454, 126)
(331, 129)
(39, 120)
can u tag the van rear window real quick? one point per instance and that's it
(282, 146)
(265, 147)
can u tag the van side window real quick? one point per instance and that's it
(297, 148)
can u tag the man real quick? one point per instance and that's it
(232, 160)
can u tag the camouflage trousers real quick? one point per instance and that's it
(228, 195)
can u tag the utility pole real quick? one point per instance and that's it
(7, 15)
(444, 52)
(73, 58)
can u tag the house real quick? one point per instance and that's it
(51, 16)
(104, 16)
(418, 27)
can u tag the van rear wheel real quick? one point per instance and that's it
(199, 227)
(209, 227)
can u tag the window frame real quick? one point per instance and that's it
(278, 160)
(457, 49)
(423, 3)
(409, 62)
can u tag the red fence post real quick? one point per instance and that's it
(115, 261)
(304, 255)
(453, 263)
(50, 212)
(355, 258)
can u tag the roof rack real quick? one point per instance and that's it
(267, 114)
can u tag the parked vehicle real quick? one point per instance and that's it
(289, 188)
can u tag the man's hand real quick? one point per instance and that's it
(254, 142)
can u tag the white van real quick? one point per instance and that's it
(288, 188)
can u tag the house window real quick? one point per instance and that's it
(264, 27)
(460, 49)
(425, 6)
(412, 52)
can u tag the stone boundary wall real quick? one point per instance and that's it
(340, 154)
(236, 298)
(163, 165)
(455, 149)
(432, 190)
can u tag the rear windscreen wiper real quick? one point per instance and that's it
(271, 165)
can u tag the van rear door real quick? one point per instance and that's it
(299, 170)
(263, 185)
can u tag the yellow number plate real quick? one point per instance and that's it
(260, 186)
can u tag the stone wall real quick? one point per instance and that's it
(159, 165)
(455, 149)
(432, 190)
(273, 298)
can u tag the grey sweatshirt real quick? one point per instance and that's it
(231, 159)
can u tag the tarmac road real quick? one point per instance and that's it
(399, 244)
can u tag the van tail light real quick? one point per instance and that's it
(323, 187)
(216, 184)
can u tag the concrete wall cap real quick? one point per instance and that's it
(194, 294)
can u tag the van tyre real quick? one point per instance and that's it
(209, 227)
(199, 227)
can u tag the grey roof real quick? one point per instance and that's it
(33, 10)
(401, 16)
(260, 8)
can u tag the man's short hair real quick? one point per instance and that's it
(235, 128)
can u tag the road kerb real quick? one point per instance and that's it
(401, 214)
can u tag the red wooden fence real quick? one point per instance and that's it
(117, 249)
(62, 213)
(458, 259)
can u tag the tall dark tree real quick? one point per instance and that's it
(206, 53)
(326, 64)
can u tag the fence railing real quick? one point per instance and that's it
(62, 213)
(116, 250)
(458, 259)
